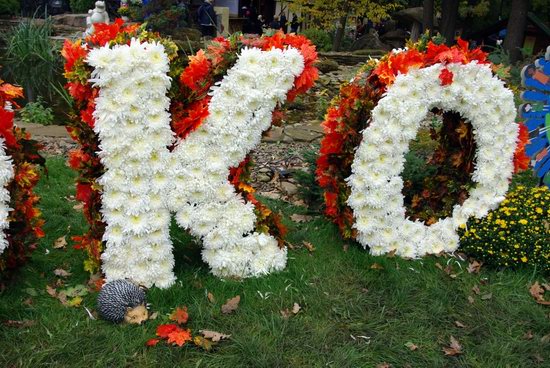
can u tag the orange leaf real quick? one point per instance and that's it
(164, 330)
(152, 342)
(179, 337)
(180, 315)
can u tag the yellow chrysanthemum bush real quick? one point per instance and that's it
(515, 234)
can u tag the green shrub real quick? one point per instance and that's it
(32, 59)
(37, 113)
(82, 6)
(309, 190)
(9, 7)
(515, 234)
(320, 38)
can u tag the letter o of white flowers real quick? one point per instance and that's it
(144, 181)
(376, 185)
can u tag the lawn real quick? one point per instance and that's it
(356, 310)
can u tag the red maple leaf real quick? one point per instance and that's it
(179, 336)
(164, 330)
(180, 315)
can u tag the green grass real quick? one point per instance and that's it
(352, 315)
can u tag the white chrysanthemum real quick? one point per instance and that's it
(378, 209)
(6, 174)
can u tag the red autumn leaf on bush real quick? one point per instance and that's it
(180, 315)
(165, 330)
(179, 336)
(152, 342)
(83, 192)
(194, 75)
(72, 52)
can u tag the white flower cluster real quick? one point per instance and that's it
(205, 202)
(376, 185)
(6, 174)
(144, 181)
(133, 125)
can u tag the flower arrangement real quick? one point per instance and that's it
(516, 233)
(214, 102)
(391, 99)
(20, 220)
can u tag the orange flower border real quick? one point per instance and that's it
(191, 81)
(25, 219)
(349, 113)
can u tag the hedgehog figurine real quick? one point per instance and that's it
(122, 300)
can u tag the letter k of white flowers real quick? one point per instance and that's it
(143, 181)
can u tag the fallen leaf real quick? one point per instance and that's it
(300, 218)
(210, 297)
(203, 343)
(61, 272)
(78, 290)
(180, 315)
(470, 299)
(60, 242)
(51, 291)
(391, 254)
(537, 292)
(231, 305)
(152, 342)
(28, 302)
(376, 266)
(19, 324)
(179, 336)
(476, 290)
(213, 335)
(345, 247)
(474, 266)
(308, 246)
(78, 206)
(528, 335)
(164, 330)
(459, 324)
(296, 308)
(438, 265)
(486, 296)
(75, 302)
(62, 297)
(384, 365)
(454, 348)
(153, 315)
(411, 346)
(545, 338)
(31, 291)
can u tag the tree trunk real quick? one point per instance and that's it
(428, 16)
(449, 15)
(515, 30)
(339, 35)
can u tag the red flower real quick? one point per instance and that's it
(194, 75)
(521, 160)
(446, 77)
(72, 52)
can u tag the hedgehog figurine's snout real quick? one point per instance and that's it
(122, 300)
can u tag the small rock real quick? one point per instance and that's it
(264, 178)
(289, 188)
(275, 134)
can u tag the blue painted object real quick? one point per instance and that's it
(536, 114)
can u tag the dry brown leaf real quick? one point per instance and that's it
(470, 299)
(210, 297)
(376, 266)
(19, 324)
(384, 365)
(60, 242)
(545, 338)
(61, 272)
(51, 291)
(487, 296)
(537, 292)
(438, 265)
(308, 246)
(345, 247)
(391, 254)
(78, 206)
(476, 290)
(411, 346)
(459, 324)
(528, 335)
(454, 347)
(154, 315)
(300, 218)
(28, 302)
(231, 305)
(296, 308)
(474, 266)
(213, 335)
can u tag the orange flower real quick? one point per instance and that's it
(194, 75)
(446, 77)
(72, 52)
